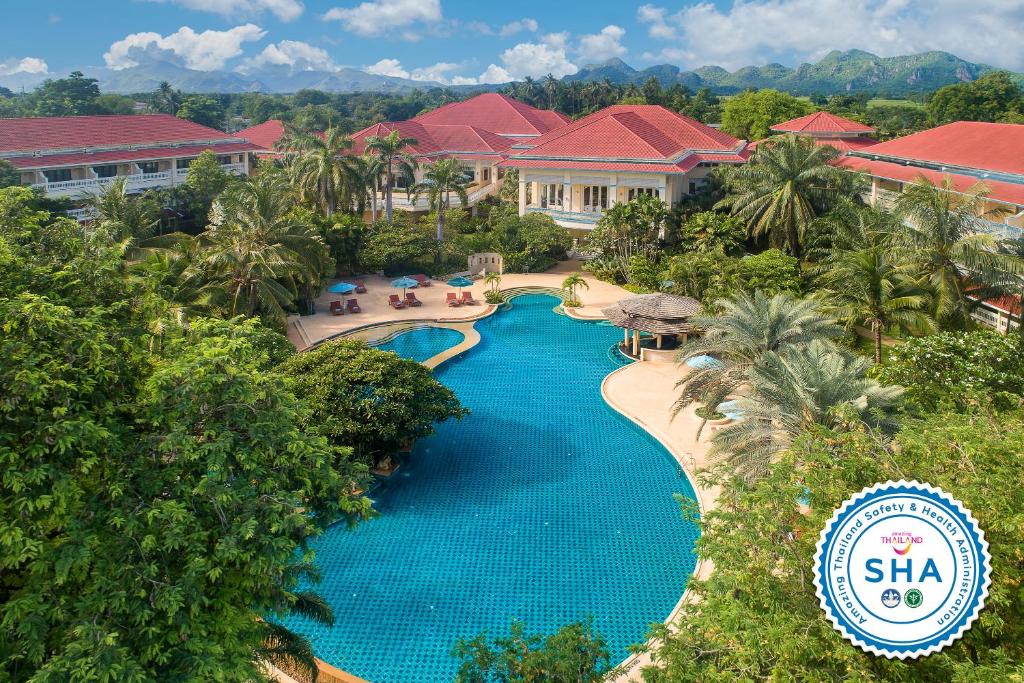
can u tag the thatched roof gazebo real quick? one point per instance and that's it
(657, 314)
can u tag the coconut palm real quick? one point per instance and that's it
(256, 252)
(945, 241)
(364, 175)
(793, 389)
(124, 218)
(872, 288)
(393, 152)
(284, 647)
(748, 327)
(440, 180)
(320, 171)
(570, 285)
(786, 185)
(493, 282)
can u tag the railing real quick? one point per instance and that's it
(587, 217)
(83, 214)
(1000, 230)
(884, 199)
(135, 181)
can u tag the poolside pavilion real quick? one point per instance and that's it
(656, 314)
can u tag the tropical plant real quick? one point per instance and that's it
(395, 157)
(787, 392)
(364, 173)
(712, 231)
(785, 186)
(868, 287)
(440, 180)
(125, 219)
(493, 293)
(749, 327)
(629, 229)
(770, 272)
(944, 240)
(320, 171)
(570, 285)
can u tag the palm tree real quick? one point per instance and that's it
(256, 252)
(364, 174)
(869, 287)
(570, 285)
(393, 152)
(791, 390)
(440, 180)
(493, 282)
(320, 171)
(127, 219)
(788, 183)
(749, 327)
(945, 241)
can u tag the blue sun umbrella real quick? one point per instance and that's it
(404, 283)
(460, 282)
(342, 288)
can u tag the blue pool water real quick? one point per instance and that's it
(731, 409)
(422, 343)
(543, 505)
(704, 362)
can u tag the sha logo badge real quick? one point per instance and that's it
(902, 569)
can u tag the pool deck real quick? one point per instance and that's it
(643, 392)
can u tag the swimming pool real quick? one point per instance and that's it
(543, 505)
(422, 343)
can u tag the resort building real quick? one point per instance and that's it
(265, 135)
(75, 156)
(576, 172)
(829, 129)
(967, 153)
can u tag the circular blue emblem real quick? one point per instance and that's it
(902, 569)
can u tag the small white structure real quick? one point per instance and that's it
(487, 262)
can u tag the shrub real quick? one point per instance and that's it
(771, 272)
(712, 231)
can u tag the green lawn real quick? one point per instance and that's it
(878, 102)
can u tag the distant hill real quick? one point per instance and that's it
(849, 71)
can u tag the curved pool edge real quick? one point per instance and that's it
(632, 665)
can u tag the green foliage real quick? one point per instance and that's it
(893, 120)
(206, 179)
(527, 244)
(989, 98)
(771, 272)
(202, 109)
(643, 272)
(626, 230)
(702, 275)
(75, 95)
(751, 114)
(9, 176)
(573, 654)
(712, 231)
(954, 370)
(394, 248)
(757, 615)
(372, 401)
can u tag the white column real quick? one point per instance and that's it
(522, 196)
(567, 192)
(874, 191)
(613, 189)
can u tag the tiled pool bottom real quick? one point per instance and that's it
(422, 343)
(543, 505)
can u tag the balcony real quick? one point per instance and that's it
(136, 182)
(581, 220)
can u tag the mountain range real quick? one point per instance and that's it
(836, 72)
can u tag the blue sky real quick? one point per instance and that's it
(465, 42)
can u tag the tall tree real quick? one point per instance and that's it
(751, 114)
(440, 180)
(393, 152)
(320, 170)
(202, 109)
(72, 96)
(364, 172)
(166, 99)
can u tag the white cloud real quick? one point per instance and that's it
(532, 59)
(387, 67)
(25, 65)
(296, 54)
(377, 17)
(514, 27)
(204, 51)
(285, 10)
(440, 72)
(759, 31)
(598, 47)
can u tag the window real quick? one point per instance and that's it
(149, 166)
(224, 159)
(635, 192)
(595, 197)
(693, 187)
(487, 174)
(58, 175)
(551, 195)
(105, 171)
(183, 164)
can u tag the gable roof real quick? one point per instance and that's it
(497, 113)
(29, 135)
(459, 141)
(822, 122)
(265, 134)
(630, 132)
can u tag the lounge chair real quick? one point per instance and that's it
(353, 306)
(395, 302)
(411, 300)
(360, 286)
(422, 279)
(452, 299)
(467, 298)
(337, 308)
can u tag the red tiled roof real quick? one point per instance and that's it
(842, 144)
(115, 156)
(497, 113)
(79, 132)
(1011, 193)
(969, 144)
(265, 134)
(435, 140)
(624, 132)
(681, 166)
(1008, 303)
(822, 122)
